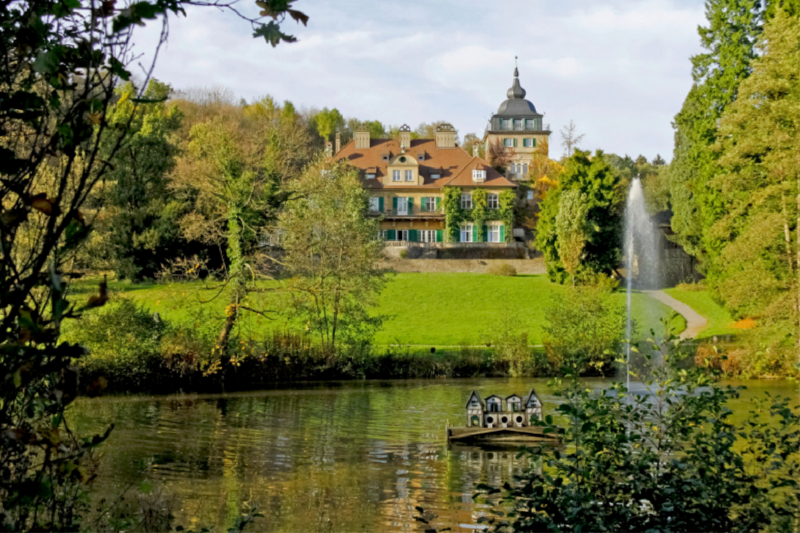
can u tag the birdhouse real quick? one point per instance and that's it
(533, 406)
(514, 408)
(494, 408)
(474, 410)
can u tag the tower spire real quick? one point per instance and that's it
(516, 91)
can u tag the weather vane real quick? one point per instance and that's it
(515, 61)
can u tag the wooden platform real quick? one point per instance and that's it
(511, 435)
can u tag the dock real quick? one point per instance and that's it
(520, 435)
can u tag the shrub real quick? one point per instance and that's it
(122, 338)
(585, 327)
(671, 459)
(403, 254)
(503, 269)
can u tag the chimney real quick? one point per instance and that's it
(362, 140)
(445, 136)
(338, 145)
(476, 148)
(405, 136)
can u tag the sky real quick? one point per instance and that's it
(619, 69)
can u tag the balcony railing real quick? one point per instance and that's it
(416, 213)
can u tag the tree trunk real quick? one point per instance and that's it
(231, 312)
(787, 234)
(797, 262)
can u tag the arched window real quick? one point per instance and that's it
(476, 420)
(525, 168)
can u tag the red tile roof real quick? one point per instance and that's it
(454, 165)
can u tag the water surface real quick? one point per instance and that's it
(350, 456)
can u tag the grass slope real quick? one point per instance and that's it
(422, 308)
(720, 321)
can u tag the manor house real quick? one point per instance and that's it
(409, 178)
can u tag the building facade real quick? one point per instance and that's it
(518, 125)
(408, 181)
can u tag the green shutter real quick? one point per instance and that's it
(534, 142)
(438, 233)
(391, 235)
(502, 233)
(515, 142)
(380, 204)
(394, 205)
(486, 233)
(413, 235)
(475, 233)
(410, 205)
(437, 203)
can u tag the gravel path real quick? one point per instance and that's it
(695, 323)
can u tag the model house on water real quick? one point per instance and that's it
(517, 412)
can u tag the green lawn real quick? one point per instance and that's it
(720, 321)
(425, 308)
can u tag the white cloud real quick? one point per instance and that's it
(619, 68)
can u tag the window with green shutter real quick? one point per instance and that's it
(437, 203)
(410, 205)
(394, 204)
(380, 204)
(502, 233)
(438, 234)
(391, 235)
(413, 235)
(515, 143)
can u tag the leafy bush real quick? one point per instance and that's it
(122, 339)
(671, 459)
(403, 254)
(586, 326)
(503, 269)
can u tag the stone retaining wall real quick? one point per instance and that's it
(475, 266)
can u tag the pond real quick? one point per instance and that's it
(332, 456)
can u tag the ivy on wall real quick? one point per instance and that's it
(453, 214)
(507, 200)
(479, 212)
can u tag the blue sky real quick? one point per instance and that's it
(619, 69)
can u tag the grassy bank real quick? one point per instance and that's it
(428, 309)
(720, 321)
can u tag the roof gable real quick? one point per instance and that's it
(476, 396)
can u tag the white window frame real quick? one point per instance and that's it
(409, 175)
(519, 124)
(492, 201)
(395, 175)
(370, 176)
(466, 231)
(374, 203)
(427, 235)
(530, 124)
(466, 200)
(401, 233)
(493, 233)
(435, 176)
(524, 168)
(430, 203)
(527, 142)
(402, 205)
(508, 142)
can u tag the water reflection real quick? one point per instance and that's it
(323, 457)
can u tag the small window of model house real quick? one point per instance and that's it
(395, 175)
(466, 201)
(409, 175)
(492, 202)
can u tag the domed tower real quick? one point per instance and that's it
(517, 125)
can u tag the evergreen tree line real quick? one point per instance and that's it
(732, 185)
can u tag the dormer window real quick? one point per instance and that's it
(530, 124)
(370, 176)
(395, 175)
(518, 124)
(403, 159)
(421, 157)
(435, 176)
(409, 175)
(385, 157)
(479, 176)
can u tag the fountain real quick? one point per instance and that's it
(641, 254)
